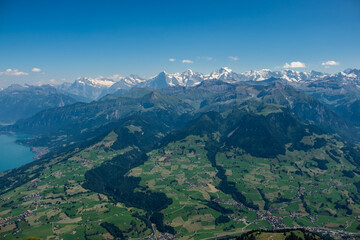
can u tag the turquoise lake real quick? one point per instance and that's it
(13, 155)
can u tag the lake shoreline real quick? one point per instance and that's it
(39, 151)
(13, 154)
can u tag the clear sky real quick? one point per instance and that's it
(58, 39)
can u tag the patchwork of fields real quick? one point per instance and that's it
(227, 193)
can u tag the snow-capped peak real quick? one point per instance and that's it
(95, 87)
(96, 82)
(188, 72)
(225, 70)
(225, 74)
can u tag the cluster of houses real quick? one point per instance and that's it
(336, 234)
(275, 221)
(166, 236)
(32, 196)
(33, 184)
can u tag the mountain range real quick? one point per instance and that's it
(338, 91)
(17, 102)
(94, 88)
(189, 156)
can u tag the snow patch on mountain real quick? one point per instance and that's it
(185, 79)
(94, 88)
(95, 82)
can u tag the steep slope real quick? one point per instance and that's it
(307, 108)
(185, 79)
(89, 88)
(339, 92)
(124, 83)
(95, 88)
(215, 95)
(17, 102)
(61, 127)
(81, 121)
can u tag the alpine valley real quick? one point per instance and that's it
(186, 156)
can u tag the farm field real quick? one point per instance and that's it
(195, 184)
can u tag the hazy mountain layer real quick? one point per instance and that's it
(18, 102)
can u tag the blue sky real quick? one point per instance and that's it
(64, 39)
